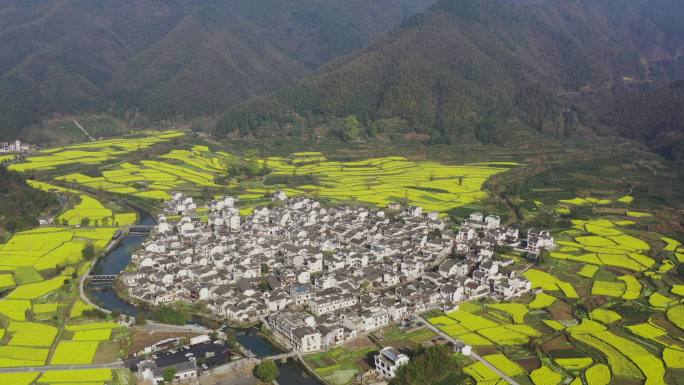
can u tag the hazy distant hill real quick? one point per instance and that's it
(465, 68)
(171, 57)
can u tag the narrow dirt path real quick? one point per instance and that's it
(84, 130)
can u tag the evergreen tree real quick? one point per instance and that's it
(88, 252)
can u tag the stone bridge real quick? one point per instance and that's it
(101, 277)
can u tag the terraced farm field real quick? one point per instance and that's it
(5, 158)
(91, 211)
(47, 247)
(496, 324)
(605, 243)
(42, 316)
(609, 311)
(380, 181)
(91, 153)
(92, 375)
(154, 179)
(607, 307)
(37, 309)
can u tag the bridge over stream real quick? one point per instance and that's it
(101, 277)
(140, 229)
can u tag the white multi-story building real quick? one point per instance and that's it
(296, 331)
(374, 318)
(331, 302)
(388, 360)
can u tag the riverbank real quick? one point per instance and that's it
(109, 298)
(292, 372)
(113, 244)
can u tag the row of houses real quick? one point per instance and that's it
(14, 147)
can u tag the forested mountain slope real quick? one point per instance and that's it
(166, 58)
(467, 68)
(656, 118)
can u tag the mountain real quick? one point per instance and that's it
(166, 58)
(471, 69)
(656, 118)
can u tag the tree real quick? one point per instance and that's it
(231, 337)
(140, 319)
(170, 315)
(264, 167)
(267, 371)
(373, 130)
(95, 313)
(169, 374)
(252, 168)
(264, 269)
(88, 252)
(428, 366)
(85, 221)
(351, 128)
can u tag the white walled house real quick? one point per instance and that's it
(388, 360)
(354, 269)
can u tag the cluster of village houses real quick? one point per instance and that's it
(13, 147)
(318, 276)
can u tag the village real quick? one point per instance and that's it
(318, 276)
(14, 147)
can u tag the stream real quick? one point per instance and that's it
(103, 294)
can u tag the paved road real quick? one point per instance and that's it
(472, 354)
(111, 365)
(154, 326)
(81, 290)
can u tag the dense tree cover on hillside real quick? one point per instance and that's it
(165, 58)
(656, 118)
(463, 71)
(21, 205)
(470, 70)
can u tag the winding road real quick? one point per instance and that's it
(472, 354)
(81, 290)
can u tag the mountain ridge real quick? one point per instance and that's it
(169, 58)
(465, 67)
